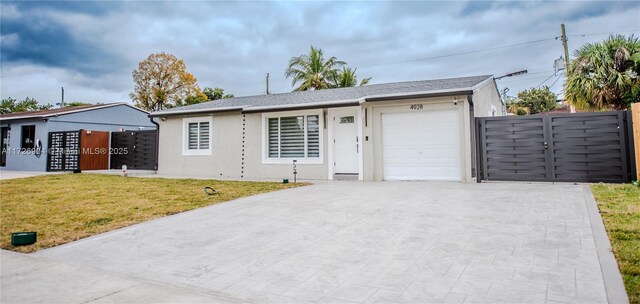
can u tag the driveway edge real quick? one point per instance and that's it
(613, 284)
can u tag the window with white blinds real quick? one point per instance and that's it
(313, 136)
(197, 136)
(293, 137)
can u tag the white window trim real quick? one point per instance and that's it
(185, 136)
(299, 160)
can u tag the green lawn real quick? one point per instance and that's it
(67, 207)
(620, 209)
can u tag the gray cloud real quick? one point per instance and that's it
(92, 48)
(35, 36)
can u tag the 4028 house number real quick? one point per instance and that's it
(416, 107)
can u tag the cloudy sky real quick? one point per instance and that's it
(91, 48)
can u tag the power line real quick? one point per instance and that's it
(487, 49)
(522, 79)
(603, 33)
(465, 53)
(545, 80)
(554, 83)
(470, 52)
(458, 54)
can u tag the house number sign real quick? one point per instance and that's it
(416, 107)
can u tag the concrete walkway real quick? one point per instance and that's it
(6, 174)
(132, 173)
(343, 242)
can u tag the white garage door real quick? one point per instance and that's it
(421, 145)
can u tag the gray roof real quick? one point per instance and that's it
(331, 97)
(63, 111)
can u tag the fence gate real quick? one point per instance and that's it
(64, 151)
(135, 149)
(94, 147)
(577, 147)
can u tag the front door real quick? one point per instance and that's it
(346, 146)
(4, 138)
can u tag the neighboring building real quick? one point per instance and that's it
(22, 132)
(418, 130)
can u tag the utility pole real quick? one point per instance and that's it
(267, 83)
(572, 109)
(566, 48)
(62, 100)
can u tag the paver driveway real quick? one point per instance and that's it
(368, 242)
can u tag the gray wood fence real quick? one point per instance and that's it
(577, 147)
(135, 149)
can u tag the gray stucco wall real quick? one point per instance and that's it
(106, 119)
(227, 159)
(373, 167)
(238, 140)
(485, 97)
(254, 168)
(25, 161)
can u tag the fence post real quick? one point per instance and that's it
(478, 149)
(635, 118)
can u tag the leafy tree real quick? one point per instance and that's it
(11, 105)
(312, 70)
(162, 81)
(75, 104)
(516, 108)
(605, 75)
(347, 78)
(193, 99)
(537, 100)
(208, 94)
(216, 93)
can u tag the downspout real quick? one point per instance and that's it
(155, 166)
(474, 147)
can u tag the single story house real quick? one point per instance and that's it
(23, 132)
(417, 130)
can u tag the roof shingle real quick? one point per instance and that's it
(332, 95)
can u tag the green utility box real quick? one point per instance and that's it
(23, 238)
(285, 181)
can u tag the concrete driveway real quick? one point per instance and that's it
(361, 242)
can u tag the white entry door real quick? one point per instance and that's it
(345, 146)
(421, 145)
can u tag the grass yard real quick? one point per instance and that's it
(620, 209)
(67, 207)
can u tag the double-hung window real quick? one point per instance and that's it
(292, 136)
(197, 136)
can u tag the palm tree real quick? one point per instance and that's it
(604, 75)
(312, 71)
(347, 78)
